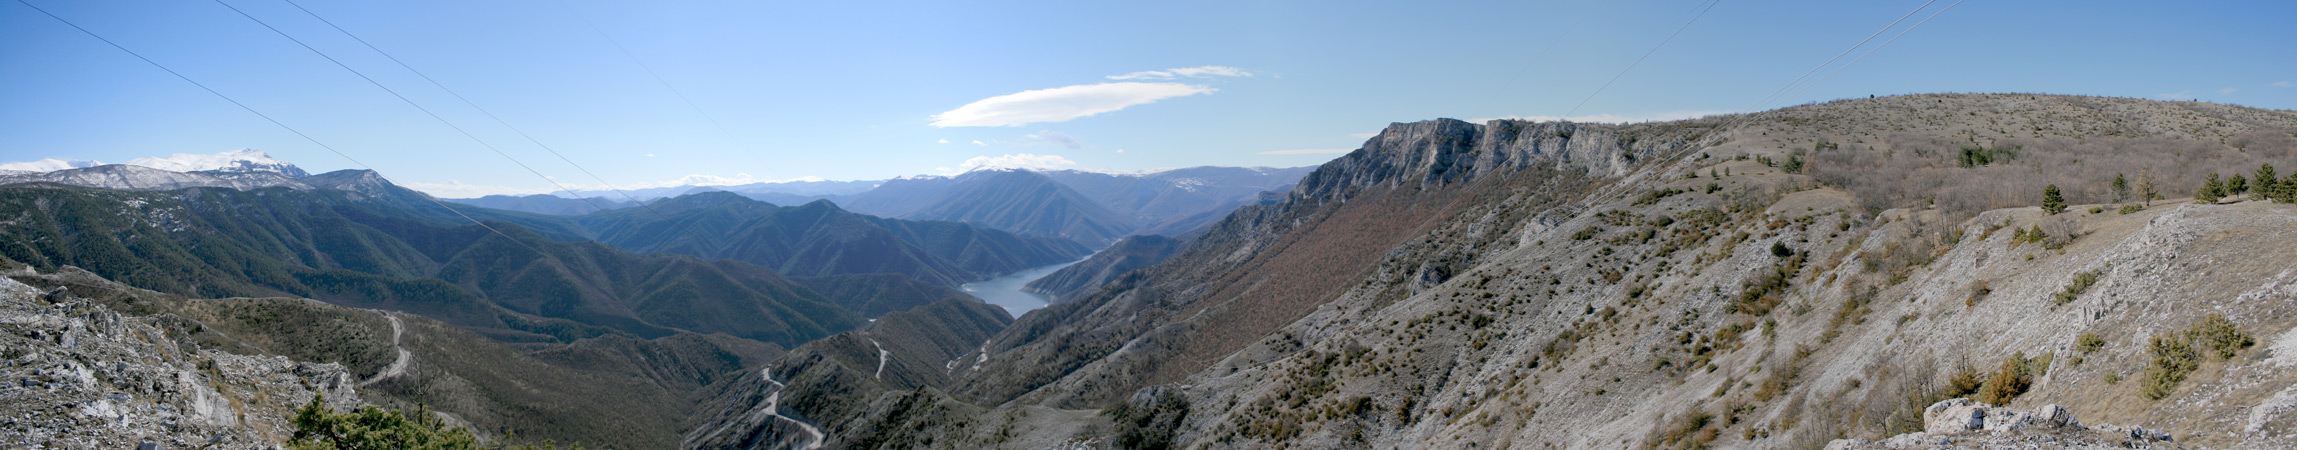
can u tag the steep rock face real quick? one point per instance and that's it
(82, 376)
(1132, 253)
(1716, 294)
(1266, 266)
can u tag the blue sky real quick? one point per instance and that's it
(839, 90)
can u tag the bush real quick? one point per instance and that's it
(318, 427)
(2173, 358)
(2219, 336)
(2177, 354)
(2011, 380)
(2131, 208)
(2089, 343)
(2081, 283)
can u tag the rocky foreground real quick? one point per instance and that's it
(74, 374)
(1961, 423)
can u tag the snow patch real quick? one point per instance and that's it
(241, 160)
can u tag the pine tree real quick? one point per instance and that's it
(2052, 201)
(2211, 190)
(2288, 193)
(2121, 188)
(2268, 183)
(2236, 186)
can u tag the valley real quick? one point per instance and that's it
(1743, 281)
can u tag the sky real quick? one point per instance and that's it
(642, 94)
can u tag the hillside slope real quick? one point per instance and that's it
(1774, 280)
(819, 239)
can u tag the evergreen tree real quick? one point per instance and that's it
(2211, 190)
(2237, 185)
(2121, 188)
(2052, 201)
(2268, 183)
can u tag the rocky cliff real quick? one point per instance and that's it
(1756, 281)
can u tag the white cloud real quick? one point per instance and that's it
(1061, 104)
(49, 165)
(2281, 84)
(978, 142)
(1013, 161)
(1309, 151)
(944, 141)
(2226, 91)
(1058, 138)
(2179, 95)
(1120, 150)
(649, 155)
(1609, 118)
(1189, 72)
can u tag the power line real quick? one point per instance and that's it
(268, 118)
(1527, 64)
(411, 102)
(763, 166)
(1838, 56)
(1646, 55)
(466, 101)
(1893, 38)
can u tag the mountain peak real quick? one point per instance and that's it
(244, 160)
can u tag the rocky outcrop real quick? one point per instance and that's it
(1962, 423)
(79, 375)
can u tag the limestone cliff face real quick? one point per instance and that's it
(79, 375)
(1680, 285)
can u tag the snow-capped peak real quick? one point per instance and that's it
(48, 165)
(241, 160)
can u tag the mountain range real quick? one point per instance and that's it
(1913, 271)
(1091, 208)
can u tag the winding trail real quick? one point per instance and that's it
(773, 403)
(882, 355)
(399, 366)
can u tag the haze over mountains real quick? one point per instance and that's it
(1860, 270)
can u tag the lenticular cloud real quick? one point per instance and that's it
(1061, 103)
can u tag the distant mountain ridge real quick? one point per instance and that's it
(819, 239)
(1094, 208)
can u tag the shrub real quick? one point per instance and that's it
(2219, 336)
(2082, 282)
(1964, 382)
(2053, 202)
(318, 427)
(2236, 185)
(2131, 208)
(2089, 343)
(2008, 382)
(2173, 358)
(2177, 354)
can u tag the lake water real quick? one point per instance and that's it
(1006, 291)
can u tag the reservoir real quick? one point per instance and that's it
(1006, 291)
